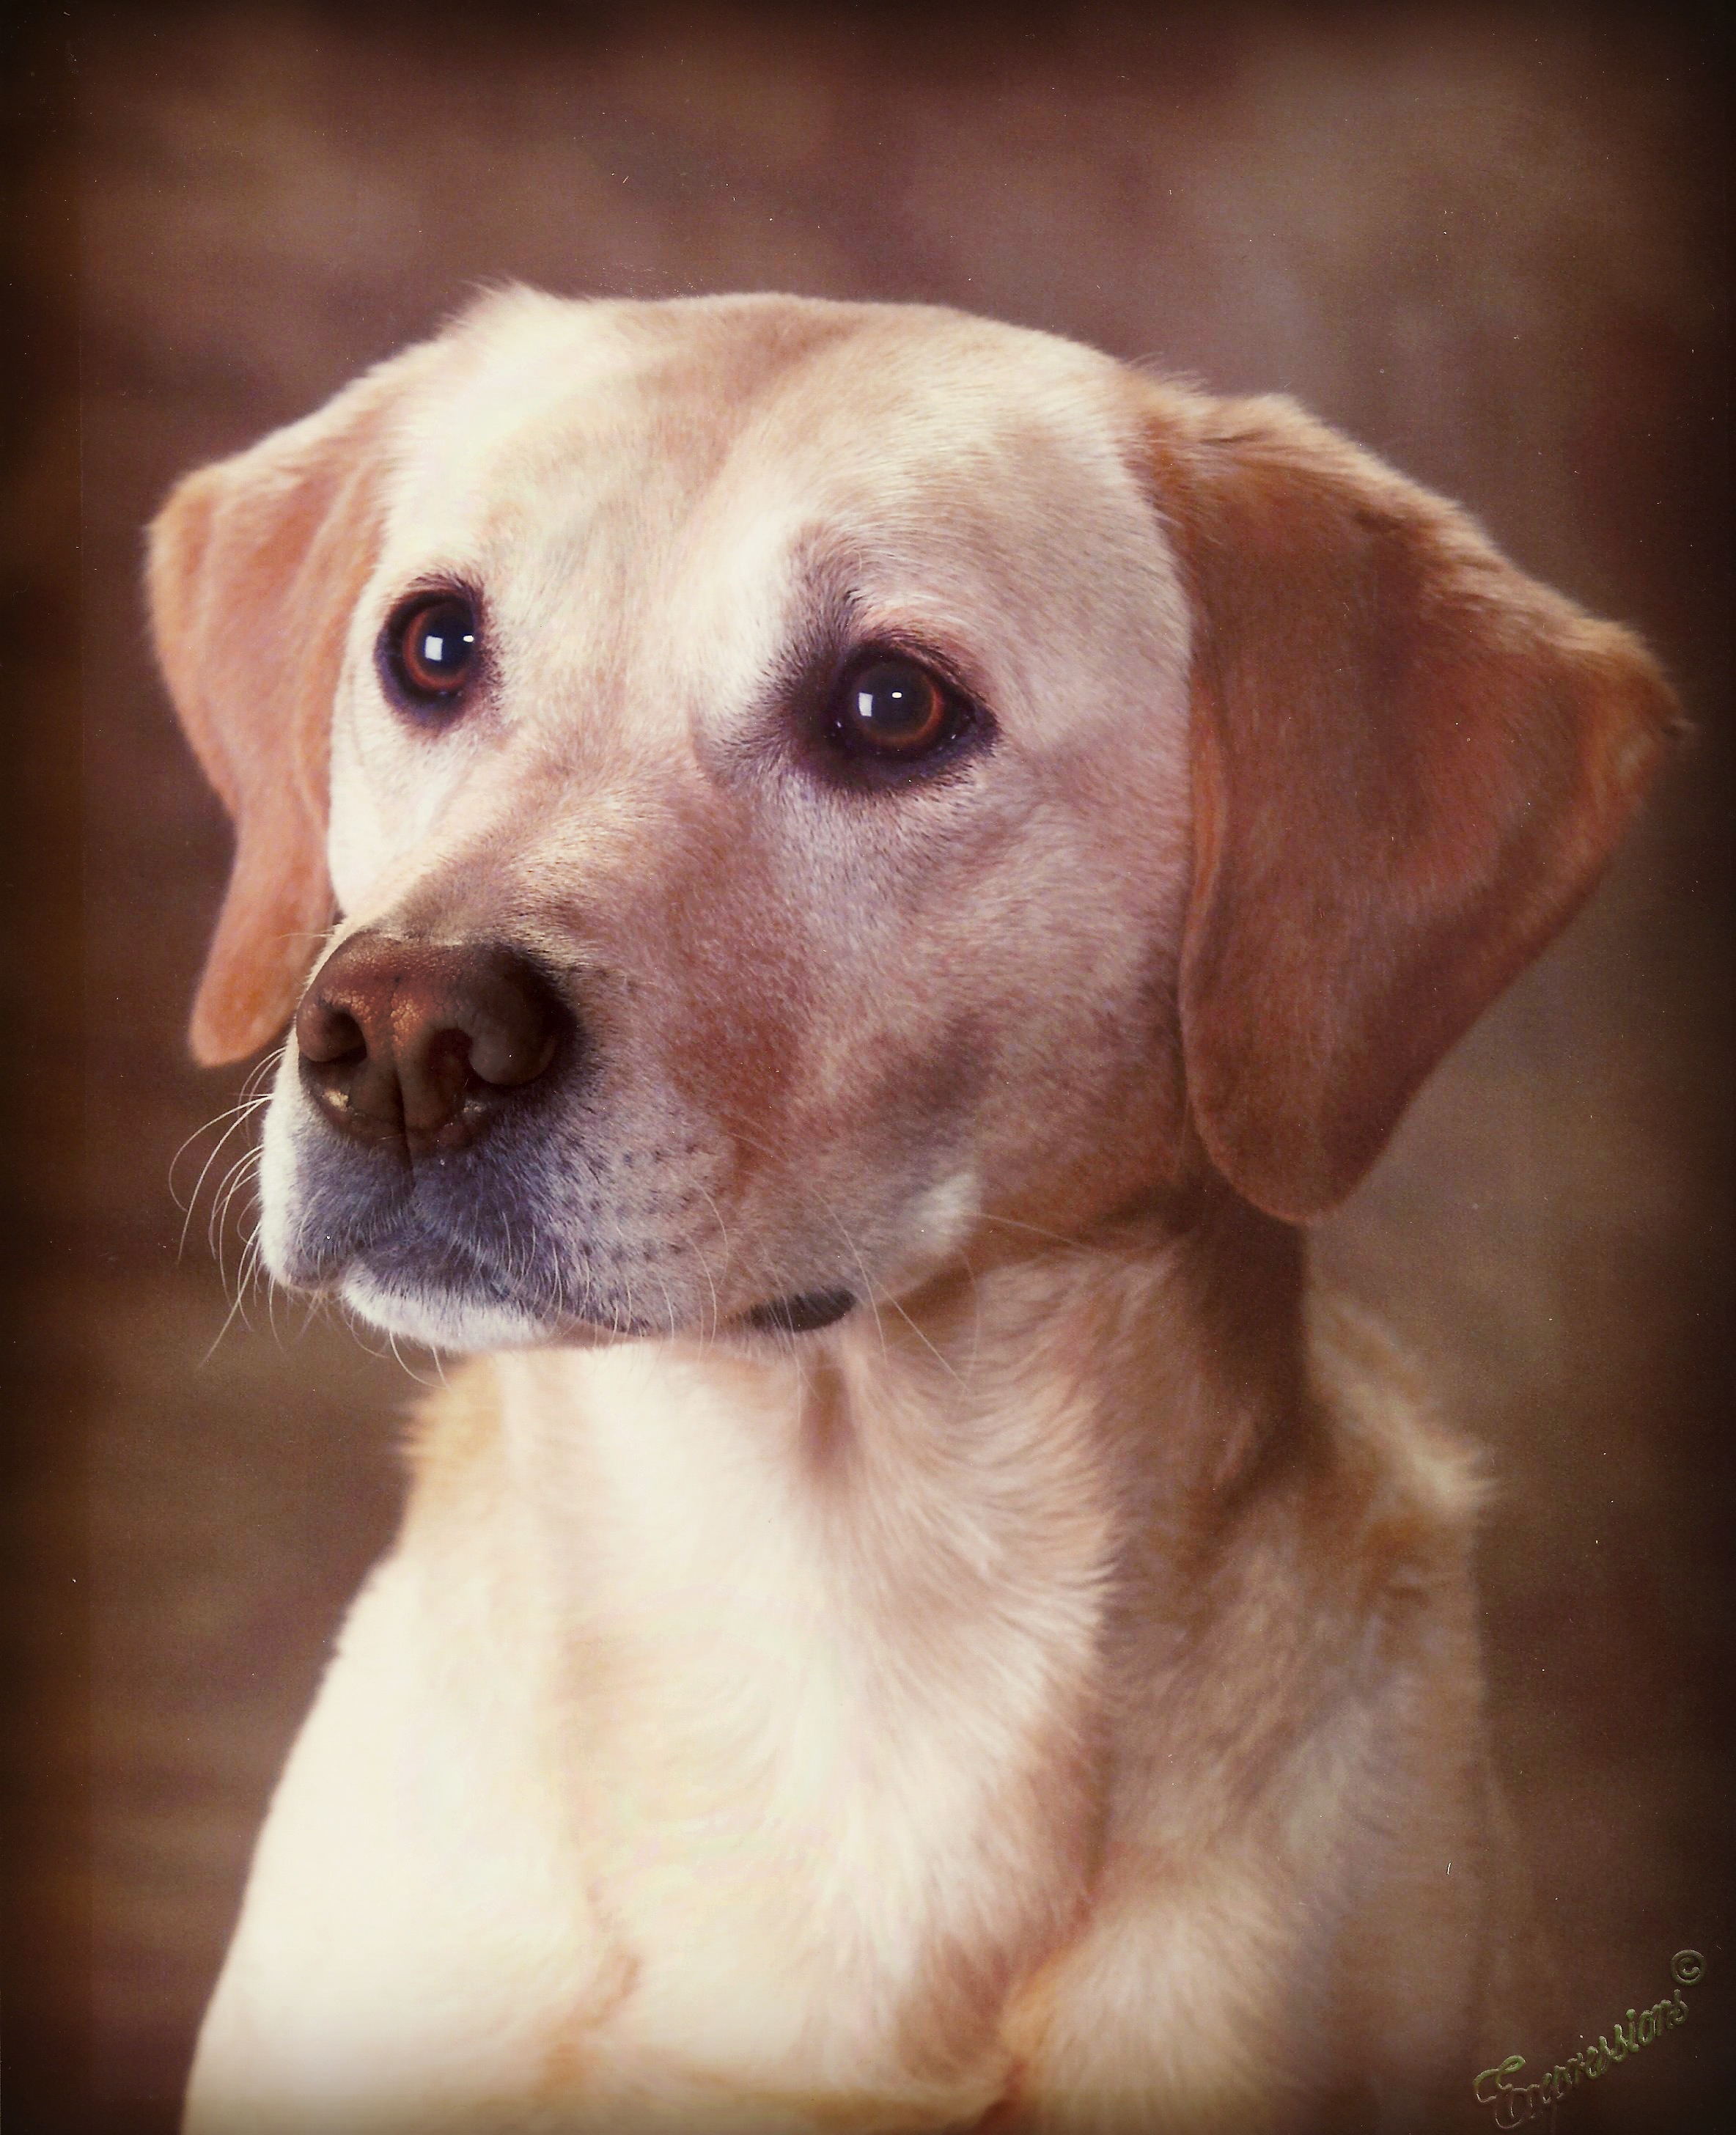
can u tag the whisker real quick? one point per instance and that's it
(237, 1179)
(361, 1330)
(404, 1366)
(951, 1370)
(230, 1317)
(669, 1302)
(243, 1108)
(1055, 1237)
(717, 1213)
(976, 1301)
(627, 1287)
(237, 1116)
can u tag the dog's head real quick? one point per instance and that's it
(798, 783)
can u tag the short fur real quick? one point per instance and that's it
(1048, 1696)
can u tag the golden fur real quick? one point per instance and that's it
(1048, 1695)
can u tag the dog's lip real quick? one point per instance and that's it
(802, 1313)
(427, 1258)
(399, 1247)
(433, 1261)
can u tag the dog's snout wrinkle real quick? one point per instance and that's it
(416, 1046)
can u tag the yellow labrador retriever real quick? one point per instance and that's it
(882, 865)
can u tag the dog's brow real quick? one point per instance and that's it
(832, 614)
(821, 621)
(824, 618)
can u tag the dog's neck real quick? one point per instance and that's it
(867, 1608)
(1071, 1401)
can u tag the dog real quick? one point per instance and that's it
(843, 880)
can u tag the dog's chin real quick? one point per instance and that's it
(468, 1325)
(446, 1319)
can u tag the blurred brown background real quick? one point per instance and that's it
(1490, 242)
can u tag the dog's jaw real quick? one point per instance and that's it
(451, 1322)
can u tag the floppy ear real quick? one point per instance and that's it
(253, 569)
(1410, 764)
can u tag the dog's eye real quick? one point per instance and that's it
(429, 650)
(895, 711)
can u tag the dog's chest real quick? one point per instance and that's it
(799, 1746)
(652, 1772)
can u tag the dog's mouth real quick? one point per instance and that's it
(449, 1267)
(800, 1314)
(448, 1280)
(511, 1245)
(438, 1265)
(445, 1294)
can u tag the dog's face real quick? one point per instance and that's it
(805, 786)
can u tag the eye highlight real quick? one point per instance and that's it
(430, 652)
(889, 710)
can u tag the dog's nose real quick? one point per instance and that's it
(420, 1046)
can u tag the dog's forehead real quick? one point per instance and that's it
(545, 403)
(554, 421)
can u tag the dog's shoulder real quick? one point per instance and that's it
(1413, 1485)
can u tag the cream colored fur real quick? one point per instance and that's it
(1049, 1693)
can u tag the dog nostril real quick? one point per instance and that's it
(329, 1036)
(506, 1057)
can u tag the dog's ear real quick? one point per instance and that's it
(1410, 764)
(254, 569)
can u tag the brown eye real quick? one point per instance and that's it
(893, 709)
(430, 649)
